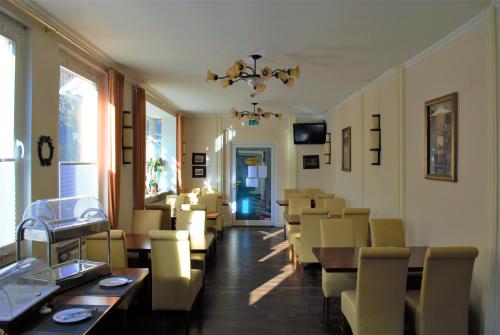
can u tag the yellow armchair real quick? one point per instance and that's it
(359, 217)
(442, 305)
(377, 305)
(175, 285)
(334, 206)
(387, 233)
(310, 234)
(97, 248)
(145, 220)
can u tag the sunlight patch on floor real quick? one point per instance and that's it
(276, 250)
(270, 285)
(268, 235)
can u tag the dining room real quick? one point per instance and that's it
(201, 170)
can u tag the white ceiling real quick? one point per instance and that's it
(339, 45)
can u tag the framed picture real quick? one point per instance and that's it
(346, 149)
(199, 158)
(199, 172)
(441, 138)
(310, 161)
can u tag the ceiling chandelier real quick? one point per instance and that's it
(256, 114)
(241, 71)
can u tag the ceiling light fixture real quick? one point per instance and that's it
(256, 114)
(241, 71)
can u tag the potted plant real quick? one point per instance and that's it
(154, 168)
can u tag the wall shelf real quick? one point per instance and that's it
(375, 139)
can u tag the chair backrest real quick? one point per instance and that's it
(337, 233)
(192, 221)
(297, 203)
(334, 206)
(318, 199)
(444, 297)
(381, 289)
(145, 220)
(387, 233)
(97, 248)
(181, 199)
(359, 217)
(211, 201)
(288, 191)
(311, 192)
(310, 233)
(176, 245)
(192, 198)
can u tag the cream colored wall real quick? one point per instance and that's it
(443, 213)
(435, 213)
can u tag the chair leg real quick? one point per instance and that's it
(327, 311)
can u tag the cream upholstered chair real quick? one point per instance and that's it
(318, 199)
(97, 248)
(334, 206)
(336, 233)
(193, 220)
(296, 203)
(310, 234)
(175, 285)
(387, 233)
(442, 305)
(145, 220)
(377, 307)
(288, 191)
(311, 192)
(359, 217)
(181, 199)
(213, 202)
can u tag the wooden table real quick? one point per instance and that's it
(106, 304)
(346, 259)
(284, 203)
(295, 219)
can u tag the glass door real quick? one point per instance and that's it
(12, 128)
(252, 185)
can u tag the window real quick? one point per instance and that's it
(78, 135)
(160, 150)
(12, 129)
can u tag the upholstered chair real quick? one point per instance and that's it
(145, 220)
(334, 206)
(387, 233)
(288, 191)
(336, 233)
(165, 214)
(97, 248)
(442, 304)
(212, 201)
(377, 306)
(296, 203)
(194, 221)
(286, 196)
(310, 234)
(311, 192)
(181, 199)
(318, 199)
(359, 217)
(175, 285)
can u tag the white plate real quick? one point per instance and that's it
(72, 315)
(113, 281)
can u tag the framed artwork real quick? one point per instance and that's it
(310, 161)
(199, 158)
(346, 149)
(441, 138)
(199, 172)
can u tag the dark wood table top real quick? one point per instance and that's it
(213, 215)
(295, 219)
(142, 243)
(282, 203)
(346, 259)
(106, 304)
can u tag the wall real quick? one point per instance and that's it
(443, 213)
(435, 213)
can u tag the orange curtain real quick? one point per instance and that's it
(116, 83)
(179, 153)
(139, 128)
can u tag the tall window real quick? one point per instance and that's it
(12, 129)
(160, 150)
(78, 135)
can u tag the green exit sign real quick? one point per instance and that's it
(254, 122)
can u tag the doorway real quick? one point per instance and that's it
(253, 184)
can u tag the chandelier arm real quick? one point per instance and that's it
(277, 70)
(218, 78)
(237, 79)
(254, 71)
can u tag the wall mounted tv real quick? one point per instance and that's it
(309, 133)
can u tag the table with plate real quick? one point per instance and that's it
(80, 310)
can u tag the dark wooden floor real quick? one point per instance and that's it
(250, 288)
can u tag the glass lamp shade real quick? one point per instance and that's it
(252, 171)
(211, 76)
(294, 72)
(266, 73)
(279, 116)
(262, 169)
(289, 82)
(281, 75)
(260, 88)
(252, 182)
(226, 82)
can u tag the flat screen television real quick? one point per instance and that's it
(309, 133)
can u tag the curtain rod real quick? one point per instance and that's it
(67, 38)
